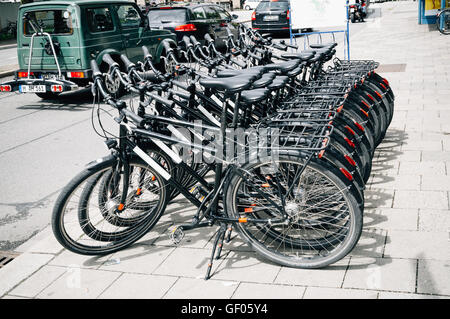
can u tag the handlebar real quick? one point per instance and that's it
(127, 62)
(109, 60)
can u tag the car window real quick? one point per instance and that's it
(211, 13)
(164, 15)
(224, 15)
(266, 5)
(128, 16)
(52, 21)
(198, 13)
(99, 19)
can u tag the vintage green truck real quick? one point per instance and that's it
(57, 39)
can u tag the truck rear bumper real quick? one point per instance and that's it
(38, 86)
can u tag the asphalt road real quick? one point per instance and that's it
(43, 144)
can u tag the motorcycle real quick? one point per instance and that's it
(356, 13)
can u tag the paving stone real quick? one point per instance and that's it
(79, 283)
(262, 291)
(370, 244)
(422, 168)
(38, 281)
(188, 262)
(434, 220)
(423, 145)
(331, 276)
(391, 219)
(137, 259)
(420, 199)
(378, 198)
(381, 274)
(334, 293)
(196, 238)
(400, 182)
(201, 289)
(433, 277)
(13, 297)
(396, 295)
(246, 266)
(67, 258)
(137, 286)
(435, 182)
(417, 245)
(21, 268)
(398, 156)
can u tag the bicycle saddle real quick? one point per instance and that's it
(283, 67)
(330, 45)
(254, 96)
(233, 84)
(265, 80)
(278, 83)
(295, 72)
(231, 73)
(302, 56)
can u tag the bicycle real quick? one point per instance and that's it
(443, 21)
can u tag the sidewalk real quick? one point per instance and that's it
(403, 252)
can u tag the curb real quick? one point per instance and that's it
(8, 46)
(4, 74)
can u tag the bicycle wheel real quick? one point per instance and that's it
(325, 220)
(77, 220)
(443, 21)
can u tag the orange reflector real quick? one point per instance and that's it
(248, 210)
(139, 191)
(349, 142)
(120, 207)
(350, 130)
(265, 185)
(350, 160)
(321, 153)
(365, 113)
(366, 104)
(347, 174)
(242, 220)
(153, 178)
(339, 109)
(378, 93)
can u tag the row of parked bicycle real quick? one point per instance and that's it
(300, 205)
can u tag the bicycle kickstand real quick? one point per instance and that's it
(220, 235)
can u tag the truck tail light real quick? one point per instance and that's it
(79, 75)
(57, 88)
(5, 88)
(186, 27)
(254, 16)
(23, 74)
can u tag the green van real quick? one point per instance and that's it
(57, 39)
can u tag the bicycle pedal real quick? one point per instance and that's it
(176, 234)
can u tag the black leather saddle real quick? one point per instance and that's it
(231, 85)
(254, 96)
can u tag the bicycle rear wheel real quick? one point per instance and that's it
(443, 21)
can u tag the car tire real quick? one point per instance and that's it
(48, 95)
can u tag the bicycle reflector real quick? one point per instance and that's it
(5, 88)
(57, 88)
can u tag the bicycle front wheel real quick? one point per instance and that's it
(84, 225)
(443, 21)
(325, 220)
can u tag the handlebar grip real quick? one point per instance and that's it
(108, 59)
(167, 47)
(95, 69)
(239, 63)
(282, 42)
(160, 99)
(194, 40)
(208, 38)
(254, 56)
(279, 47)
(146, 52)
(187, 41)
(180, 85)
(184, 95)
(127, 62)
(132, 116)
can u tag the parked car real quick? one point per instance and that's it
(250, 4)
(271, 16)
(197, 19)
(79, 31)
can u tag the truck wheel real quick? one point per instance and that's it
(48, 95)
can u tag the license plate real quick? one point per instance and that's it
(32, 88)
(271, 18)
